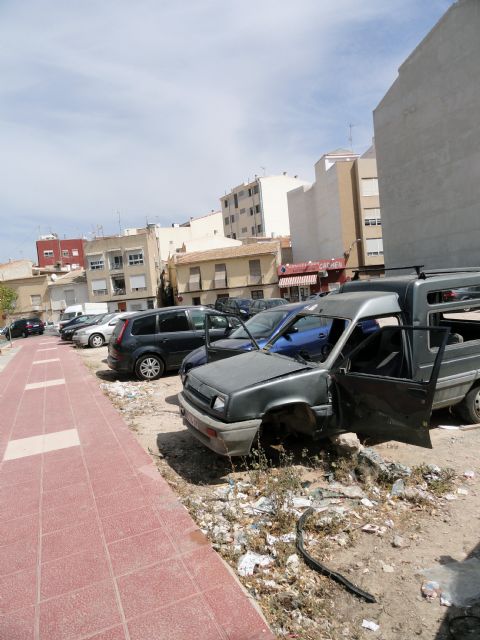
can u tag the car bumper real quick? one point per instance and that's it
(80, 341)
(226, 439)
(122, 366)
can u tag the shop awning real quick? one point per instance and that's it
(298, 281)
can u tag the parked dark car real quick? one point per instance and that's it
(24, 327)
(74, 322)
(307, 337)
(237, 306)
(67, 332)
(151, 342)
(266, 303)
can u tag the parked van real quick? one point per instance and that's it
(86, 308)
(426, 355)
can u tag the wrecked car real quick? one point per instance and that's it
(426, 355)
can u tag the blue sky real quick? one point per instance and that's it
(154, 108)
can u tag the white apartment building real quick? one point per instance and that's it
(259, 208)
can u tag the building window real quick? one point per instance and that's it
(374, 246)
(48, 253)
(116, 262)
(75, 252)
(75, 265)
(241, 194)
(249, 192)
(35, 300)
(234, 236)
(196, 301)
(372, 218)
(252, 211)
(65, 253)
(118, 285)
(244, 229)
(69, 295)
(242, 211)
(257, 208)
(194, 279)
(135, 258)
(255, 189)
(253, 231)
(96, 263)
(232, 218)
(220, 276)
(227, 220)
(138, 283)
(259, 228)
(369, 186)
(235, 200)
(255, 272)
(225, 204)
(257, 295)
(99, 287)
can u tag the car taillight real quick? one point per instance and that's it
(122, 331)
(29, 326)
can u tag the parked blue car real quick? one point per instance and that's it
(307, 337)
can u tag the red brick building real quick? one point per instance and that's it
(52, 251)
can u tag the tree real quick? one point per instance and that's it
(8, 297)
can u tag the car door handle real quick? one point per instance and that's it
(322, 335)
(163, 339)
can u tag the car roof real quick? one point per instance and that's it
(184, 307)
(355, 304)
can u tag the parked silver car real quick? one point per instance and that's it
(99, 334)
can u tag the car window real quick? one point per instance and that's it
(174, 321)
(218, 322)
(144, 326)
(198, 318)
(262, 325)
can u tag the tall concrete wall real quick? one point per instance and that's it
(427, 135)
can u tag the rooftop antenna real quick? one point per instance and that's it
(119, 223)
(350, 137)
(264, 169)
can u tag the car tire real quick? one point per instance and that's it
(25, 334)
(96, 340)
(149, 367)
(40, 333)
(469, 408)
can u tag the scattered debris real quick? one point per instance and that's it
(389, 470)
(398, 542)
(430, 589)
(374, 528)
(469, 474)
(250, 560)
(458, 582)
(371, 625)
(398, 488)
(462, 492)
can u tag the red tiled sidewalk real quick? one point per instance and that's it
(93, 542)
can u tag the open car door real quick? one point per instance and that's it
(376, 392)
(217, 352)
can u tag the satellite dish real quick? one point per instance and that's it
(53, 277)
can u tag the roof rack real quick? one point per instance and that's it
(439, 272)
(358, 270)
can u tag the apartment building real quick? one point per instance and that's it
(66, 253)
(65, 290)
(339, 214)
(246, 271)
(32, 296)
(258, 208)
(428, 140)
(124, 271)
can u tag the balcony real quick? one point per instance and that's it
(100, 292)
(119, 291)
(116, 266)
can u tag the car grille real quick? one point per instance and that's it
(203, 393)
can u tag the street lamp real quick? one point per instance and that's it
(346, 254)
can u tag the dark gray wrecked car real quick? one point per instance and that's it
(425, 355)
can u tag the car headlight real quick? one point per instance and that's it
(81, 333)
(219, 403)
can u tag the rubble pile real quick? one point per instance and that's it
(132, 398)
(253, 524)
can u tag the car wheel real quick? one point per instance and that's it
(25, 334)
(469, 407)
(96, 340)
(149, 367)
(40, 333)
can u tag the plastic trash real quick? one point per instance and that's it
(370, 624)
(250, 560)
(398, 488)
(459, 582)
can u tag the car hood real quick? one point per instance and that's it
(244, 370)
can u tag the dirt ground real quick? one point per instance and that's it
(412, 535)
